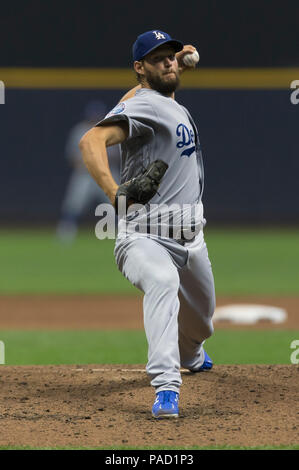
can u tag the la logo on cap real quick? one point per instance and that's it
(159, 35)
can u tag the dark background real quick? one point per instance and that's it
(250, 138)
(99, 33)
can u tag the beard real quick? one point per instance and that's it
(161, 85)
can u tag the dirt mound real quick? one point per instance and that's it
(105, 406)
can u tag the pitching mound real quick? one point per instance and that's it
(246, 405)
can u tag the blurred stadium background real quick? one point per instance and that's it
(59, 59)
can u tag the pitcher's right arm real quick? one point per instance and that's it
(93, 148)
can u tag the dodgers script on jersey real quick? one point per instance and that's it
(160, 128)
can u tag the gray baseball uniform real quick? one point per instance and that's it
(173, 270)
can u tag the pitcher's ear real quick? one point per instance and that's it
(138, 66)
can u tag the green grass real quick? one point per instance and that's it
(74, 347)
(251, 261)
(36, 262)
(130, 347)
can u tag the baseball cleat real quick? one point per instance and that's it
(206, 365)
(166, 405)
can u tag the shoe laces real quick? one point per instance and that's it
(166, 396)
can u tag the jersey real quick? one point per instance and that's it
(161, 128)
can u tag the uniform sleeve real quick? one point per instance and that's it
(139, 115)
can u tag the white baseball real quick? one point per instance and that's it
(191, 59)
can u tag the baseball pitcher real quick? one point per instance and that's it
(160, 245)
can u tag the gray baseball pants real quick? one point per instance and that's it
(178, 303)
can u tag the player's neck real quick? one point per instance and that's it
(147, 86)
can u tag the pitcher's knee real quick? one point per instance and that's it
(163, 279)
(212, 307)
(209, 307)
(166, 279)
(209, 330)
(206, 330)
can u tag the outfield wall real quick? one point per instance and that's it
(249, 140)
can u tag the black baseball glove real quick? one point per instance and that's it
(142, 188)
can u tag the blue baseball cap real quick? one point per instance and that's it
(147, 42)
